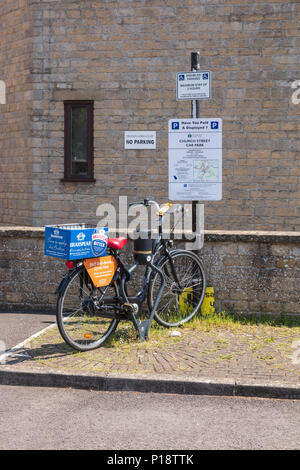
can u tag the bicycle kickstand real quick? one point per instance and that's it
(143, 327)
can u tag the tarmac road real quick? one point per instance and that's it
(16, 327)
(47, 418)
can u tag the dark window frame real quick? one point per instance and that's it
(68, 177)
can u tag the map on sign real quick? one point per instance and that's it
(195, 159)
(206, 170)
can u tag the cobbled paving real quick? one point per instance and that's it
(249, 353)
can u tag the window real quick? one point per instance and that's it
(79, 146)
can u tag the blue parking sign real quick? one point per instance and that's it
(175, 125)
(214, 125)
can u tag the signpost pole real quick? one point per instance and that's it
(195, 66)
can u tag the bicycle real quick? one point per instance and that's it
(174, 284)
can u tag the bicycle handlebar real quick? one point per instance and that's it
(146, 202)
(162, 210)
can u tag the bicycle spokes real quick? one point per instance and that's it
(183, 293)
(86, 315)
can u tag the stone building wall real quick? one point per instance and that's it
(16, 156)
(124, 55)
(251, 272)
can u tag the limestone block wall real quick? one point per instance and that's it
(124, 55)
(251, 272)
(16, 153)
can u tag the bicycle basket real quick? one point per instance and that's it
(143, 247)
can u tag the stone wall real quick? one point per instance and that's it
(16, 154)
(251, 272)
(124, 56)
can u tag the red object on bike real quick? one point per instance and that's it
(70, 264)
(116, 243)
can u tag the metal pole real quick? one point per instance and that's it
(195, 66)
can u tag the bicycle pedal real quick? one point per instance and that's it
(134, 308)
(127, 306)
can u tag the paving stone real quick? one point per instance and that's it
(254, 353)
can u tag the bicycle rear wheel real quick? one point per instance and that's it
(180, 300)
(85, 316)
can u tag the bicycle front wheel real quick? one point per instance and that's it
(86, 314)
(181, 297)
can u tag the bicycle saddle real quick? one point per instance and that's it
(116, 243)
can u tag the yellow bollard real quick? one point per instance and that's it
(207, 306)
(185, 300)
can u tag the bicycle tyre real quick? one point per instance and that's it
(83, 329)
(178, 306)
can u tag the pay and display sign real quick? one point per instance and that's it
(195, 159)
(193, 85)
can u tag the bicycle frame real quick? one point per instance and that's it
(125, 306)
(123, 275)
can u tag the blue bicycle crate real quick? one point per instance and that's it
(75, 241)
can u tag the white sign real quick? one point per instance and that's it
(195, 159)
(140, 139)
(193, 85)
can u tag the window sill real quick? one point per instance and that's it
(78, 180)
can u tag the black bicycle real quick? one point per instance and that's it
(174, 284)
